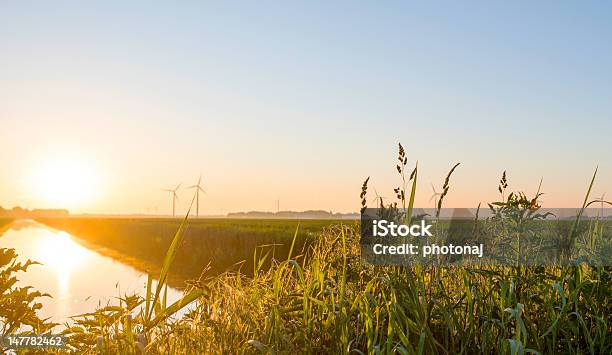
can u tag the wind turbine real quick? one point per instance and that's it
(174, 197)
(601, 199)
(378, 198)
(434, 196)
(198, 188)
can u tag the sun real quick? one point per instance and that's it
(65, 182)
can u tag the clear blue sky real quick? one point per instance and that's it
(302, 101)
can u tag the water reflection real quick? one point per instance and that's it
(78, 278)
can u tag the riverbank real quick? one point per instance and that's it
(5, 224)
(215, 245)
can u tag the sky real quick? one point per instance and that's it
(104, 104)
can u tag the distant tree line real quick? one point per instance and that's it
(19, 212)
(310, 214)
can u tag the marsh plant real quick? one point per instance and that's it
(18, 305)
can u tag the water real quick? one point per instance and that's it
(78, 278)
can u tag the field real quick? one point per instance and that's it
(334, 303)
(217, 243)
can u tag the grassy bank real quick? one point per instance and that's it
(337, 304)
(217, 243)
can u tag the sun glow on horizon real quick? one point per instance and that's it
(65, 183)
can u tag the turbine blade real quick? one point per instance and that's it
(177, 186)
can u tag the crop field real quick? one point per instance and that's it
(216, 244)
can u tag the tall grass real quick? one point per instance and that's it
(336, 304)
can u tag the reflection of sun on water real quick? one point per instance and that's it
(62, 255)
(77, 278)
